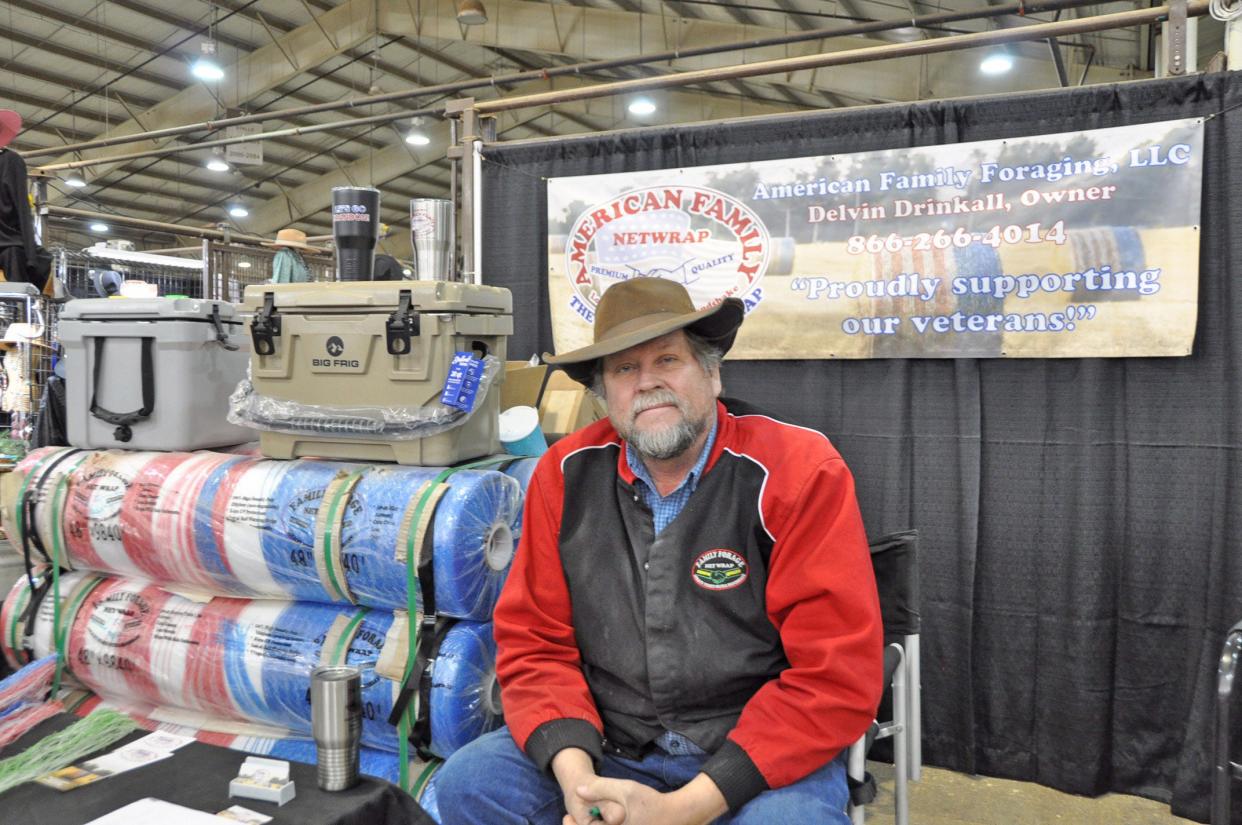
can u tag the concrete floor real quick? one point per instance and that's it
(946, 798)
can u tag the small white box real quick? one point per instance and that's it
(264, 779)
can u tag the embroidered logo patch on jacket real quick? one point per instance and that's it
(719, 570)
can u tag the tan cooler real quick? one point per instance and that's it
(355, 370)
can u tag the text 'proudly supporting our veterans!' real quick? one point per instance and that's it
(1082, 244)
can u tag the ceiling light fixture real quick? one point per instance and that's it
(997, 61)
(76, 181)
(99, 227)
(243, 264)
(642, 107)
(239, 211)
(217, 163)
(206, 67)
(471, 12)
(417, 139)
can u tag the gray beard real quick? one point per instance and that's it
(669, 442)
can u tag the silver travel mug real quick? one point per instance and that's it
(336, 723)
(431, 236)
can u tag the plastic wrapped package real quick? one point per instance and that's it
(427, 796)
(20, 720)
(30, 683)
(249, 408)
(232, 658)
(244, 526)
(132, 642)
(521, 471)
(14, 623)
(23, 699)
(465, 694)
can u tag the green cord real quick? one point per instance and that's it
(19, 518)
(85, 736)
(23, 597)
(20, 515)
(58, 537)
(420, 784)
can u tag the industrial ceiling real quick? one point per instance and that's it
(77, 70)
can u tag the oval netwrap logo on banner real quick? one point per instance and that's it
(708, 241)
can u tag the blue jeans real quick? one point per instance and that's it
(492, 782)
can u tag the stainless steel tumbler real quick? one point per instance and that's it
(336, 723)
(355, 230)
(431, 236)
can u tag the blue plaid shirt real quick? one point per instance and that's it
(666, 508)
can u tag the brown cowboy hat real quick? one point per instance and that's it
(294, 238)
(642, 309)
(10, 125)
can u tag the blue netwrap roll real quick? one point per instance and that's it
(289, 541)
(208, 537)
(474, 535)
(429, 800)
(270, 649)
(521, 471)
(241, 526)
(465, 695)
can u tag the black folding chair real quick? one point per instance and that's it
(1226, 769)
(895, 561)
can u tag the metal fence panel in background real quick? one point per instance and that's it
(27, 359)
(84, 274)
(233, 267)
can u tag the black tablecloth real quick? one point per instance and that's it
(197, 776)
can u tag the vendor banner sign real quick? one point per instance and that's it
(1082, 244)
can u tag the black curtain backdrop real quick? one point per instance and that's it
(1079, 518)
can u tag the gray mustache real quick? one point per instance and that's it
(654, 399)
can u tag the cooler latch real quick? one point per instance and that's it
(265, 328)
(402, 325)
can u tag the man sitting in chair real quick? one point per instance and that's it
(690, 632)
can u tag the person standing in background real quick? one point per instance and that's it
(21, 259)
(289, 267)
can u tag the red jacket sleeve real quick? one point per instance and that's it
(547, 703)
(821, 596)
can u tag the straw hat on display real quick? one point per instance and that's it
(294, 239)
(10, 125)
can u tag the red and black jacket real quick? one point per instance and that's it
(750, 624)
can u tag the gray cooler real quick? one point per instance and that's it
(152, 373)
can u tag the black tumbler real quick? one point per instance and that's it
(355, 228)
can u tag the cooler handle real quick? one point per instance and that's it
(222, 337)
(124, 421)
